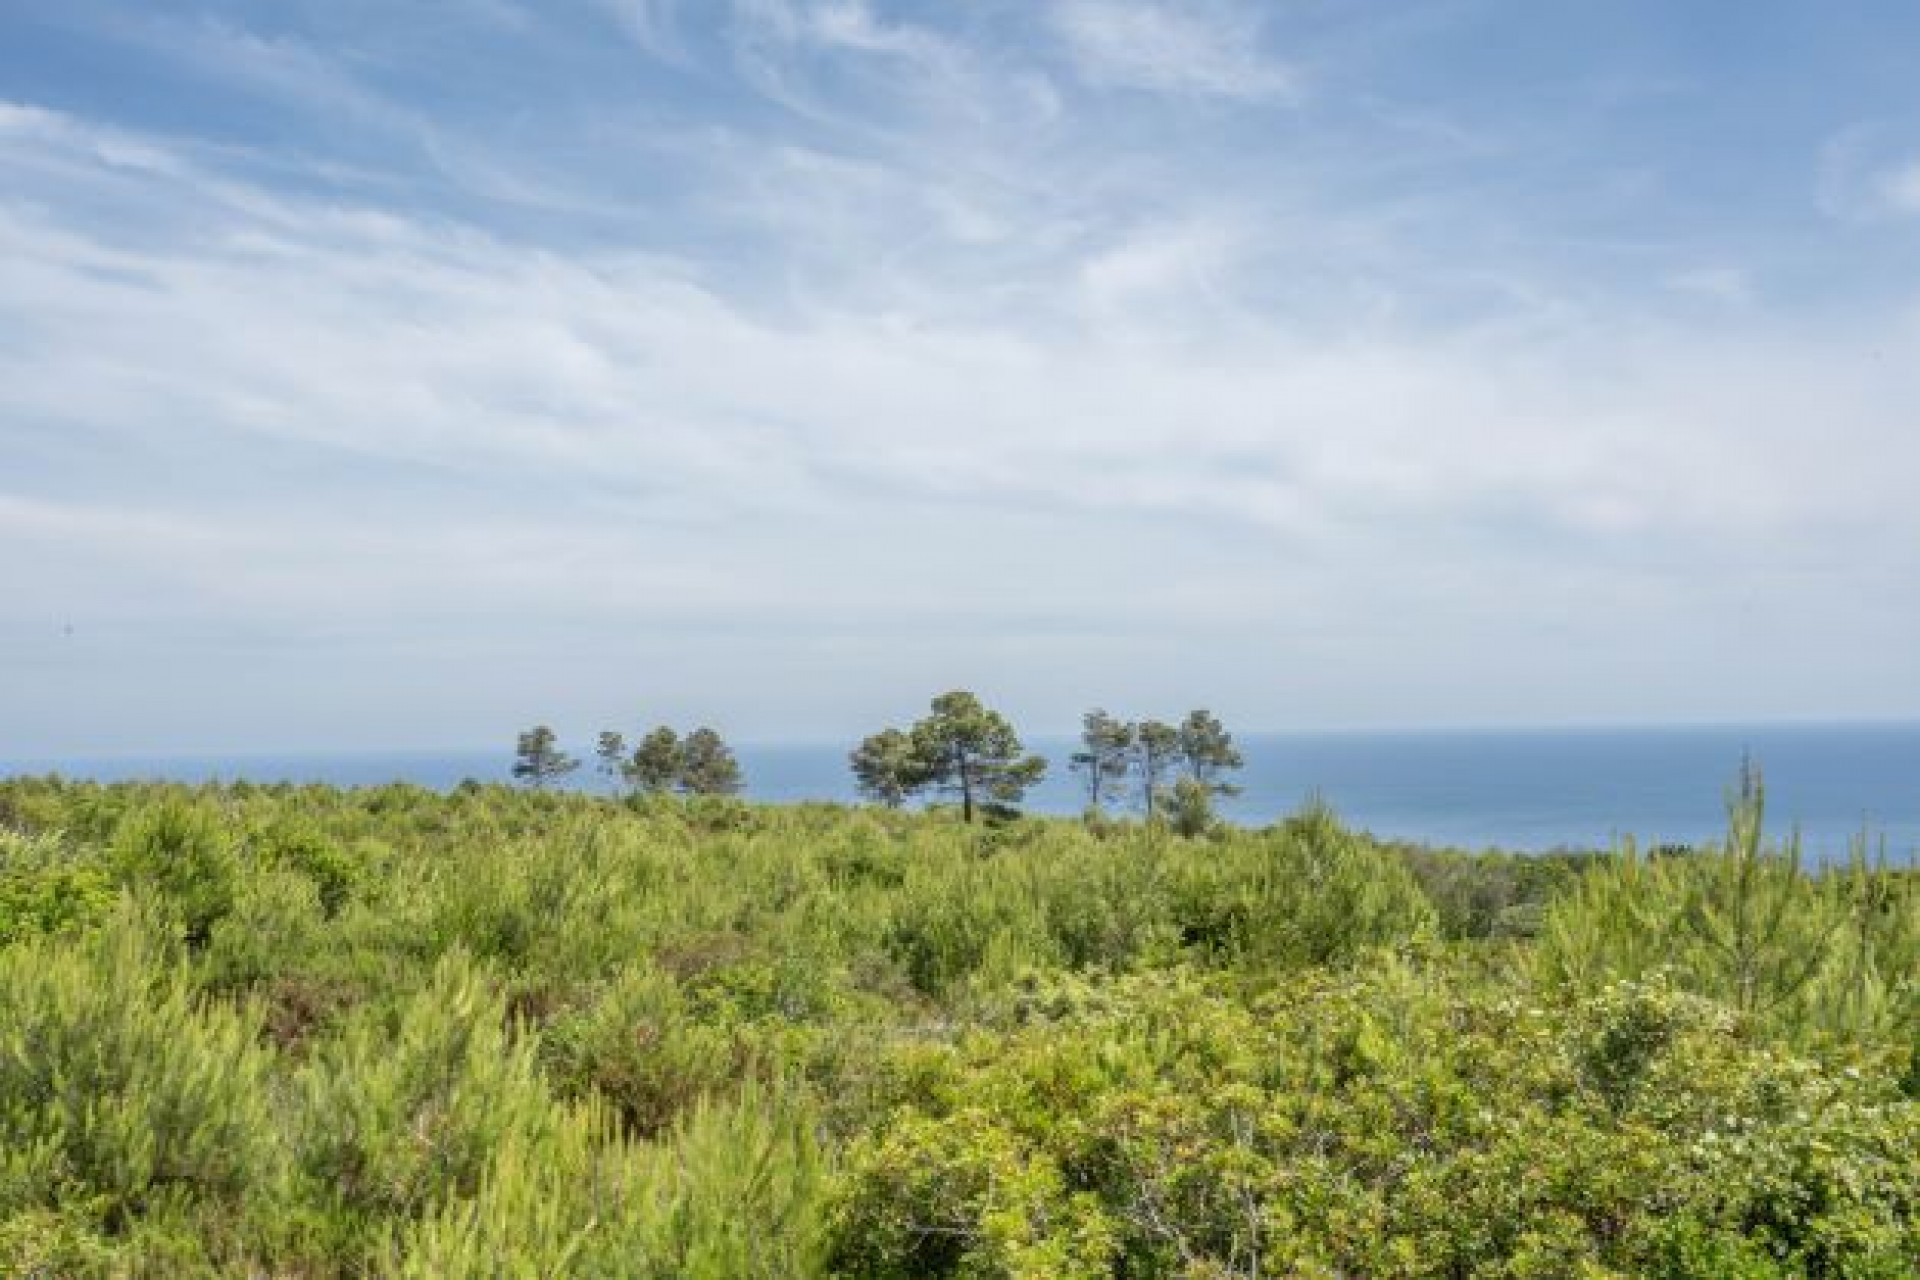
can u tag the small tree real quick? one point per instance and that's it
(1207, 751)
(1190, 807)
(707, 765)
(1102, 759)
(972, 752)
(612, 753)
(539, 759)
(656, 766)
(1155, 751)
(886, 768)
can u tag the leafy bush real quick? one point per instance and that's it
(1382, 1125)
(1835, 955)
(127, 1101)
(406, 1108)
(639, 1048)
(181, 851)
(1307, 892)
(304, 1032)
(45, 890)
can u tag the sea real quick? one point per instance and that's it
(1836, 786)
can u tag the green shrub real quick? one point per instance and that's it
(405, 1109)
(46, 890)
(123, 1095)
(336, 872)
(181, 851)
(303, 1032)
(638, 1047)
(1834, 955)
(1304, 893)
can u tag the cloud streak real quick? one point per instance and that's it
(1203, 50)
(852, 388)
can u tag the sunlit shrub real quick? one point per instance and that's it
(1835, 955)
(182, 851)
(303, 1032)
(408, 1105)
(46, 889)
(638, 1047)
(121, 1093)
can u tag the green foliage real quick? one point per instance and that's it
(1106, 744)
(538, 759)
(1381, 1124)
(638, 1046)
(707, 766)
(1306, 892)
(1155, 753)
(1492, 895)
(127, 1101)
(298, 846)
(45, 890)
(1190, 808)
(968, 750)
(736, 1196)
(1745, 923)
(407, 1106)
(1207, 752)
(610, 749)
(303, 1032)
(886, 768)
(657, 761)
(181, 851)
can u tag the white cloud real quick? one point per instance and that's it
(442, 347)
(1207, 49)
(1900, 187)
(1870, 172)
(926, 391)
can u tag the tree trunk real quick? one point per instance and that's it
(962, 766)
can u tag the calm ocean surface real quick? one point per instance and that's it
(1528, 790)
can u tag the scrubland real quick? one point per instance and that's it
(306, 1032)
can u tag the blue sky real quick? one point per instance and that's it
(384, 374)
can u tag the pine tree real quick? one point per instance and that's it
(656, 762)
(1206, 751)
(612, 753)
(886, 769)
(1155, 751)
(539, 759)
(1103, 757)
(971, 751)
(707, 765)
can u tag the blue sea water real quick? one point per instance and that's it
(1521, 789)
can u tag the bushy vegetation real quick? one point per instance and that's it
(306, 1032)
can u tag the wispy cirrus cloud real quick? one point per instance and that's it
(1204, 50)
(859, 338)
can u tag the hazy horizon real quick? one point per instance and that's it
(579, 740)
(375, 374)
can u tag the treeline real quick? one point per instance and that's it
(700, 764)
(300, 1031)
(961, 749)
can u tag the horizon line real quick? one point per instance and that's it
(504, 747)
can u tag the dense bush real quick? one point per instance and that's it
(1381, 1123)
(44, 889)
(298, 1031)
(1835, 954)
(129, 1107)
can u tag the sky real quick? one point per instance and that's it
(379, 374)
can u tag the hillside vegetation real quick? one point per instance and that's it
(306, 1032)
